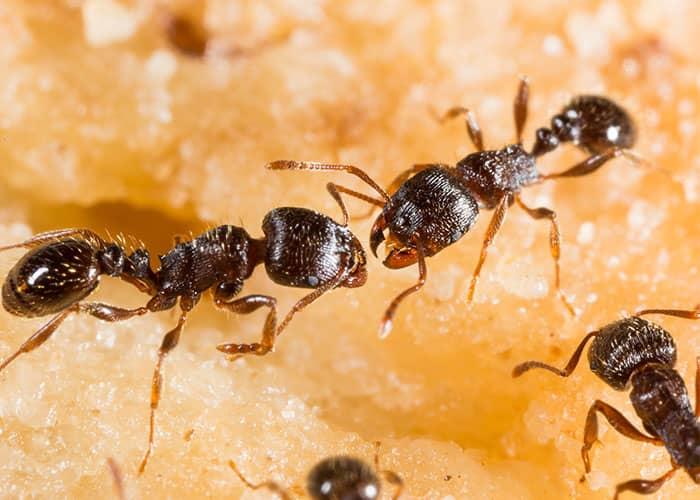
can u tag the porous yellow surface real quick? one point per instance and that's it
(105, 125)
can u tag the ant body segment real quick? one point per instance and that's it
(337, 478)
(638, 354)
(300, 248)
(430, 206)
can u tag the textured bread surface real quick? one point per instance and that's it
(107, 125)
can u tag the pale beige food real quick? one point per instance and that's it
(104, 125)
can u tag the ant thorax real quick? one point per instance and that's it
(490, 175)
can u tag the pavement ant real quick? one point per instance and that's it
(430, 206)
(301, 248)
(638, 354)
(337, 478)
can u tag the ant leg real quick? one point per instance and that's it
(618, 422)
(315, 165)
(644, 486)
(554, 244)
(473, 128)
(520, 108)
(170, 340)
(308, 299)
(568, 369)
(246, 305)
(335, 190)
(387, 321)
(587, 166)
(117, 478)
(270, 485)
(389, 475)
(678, 313)
(59, 234)
(495, 224)
(101, 311)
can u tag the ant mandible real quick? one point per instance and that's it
(430, 206)
(637, 353)
(337, 478)
(301, 248)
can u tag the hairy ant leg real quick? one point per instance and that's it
(554, 244)
(497, 219)
(339, 278)
(246, 305)
(587, 166)
(617, 420)
(169, 342)
(644, 486)
(387, 321)
(99, 310)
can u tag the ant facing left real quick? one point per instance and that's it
(428, 207)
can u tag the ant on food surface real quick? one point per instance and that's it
(337, 478)
(430, 206)
(638, 354)
(300, 248)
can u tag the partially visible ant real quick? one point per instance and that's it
(638, 354)
(430, 206)
(301, 248)
(337, 478)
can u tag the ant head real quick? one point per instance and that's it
(432, 210)
(624, 346)
(343, 477)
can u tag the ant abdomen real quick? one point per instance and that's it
(622, 347)
(306, 249)
(342, 478)
(596, 124)
(51, 278)
(221, 255)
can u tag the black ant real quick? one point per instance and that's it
(637, 353)
(301, 248)
(337, 478)
(430, 206)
